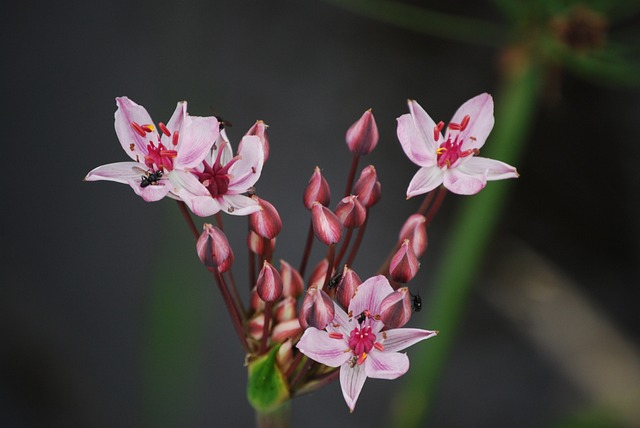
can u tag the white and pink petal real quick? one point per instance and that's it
(481, 120)
(134, 144)
(319, 346)
(196, 138)
(425, 180)
(351, 381)
(413, 142)
(401, 338)
(490, 169)
(386, 365)
(460, 182)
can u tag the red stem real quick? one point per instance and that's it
(352, 174)
(187, 216)
(345, 244)
(235, 317)
(356, 243)
(307, 250)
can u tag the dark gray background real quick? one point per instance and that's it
(80, 260)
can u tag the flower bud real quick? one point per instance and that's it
(368, 188)
(396, 309)
(214, 249)
(256, 303)
(326, 225)
(415, 230)
(317, 190)
(351, 212)
(319, 273)
(347, 287)
(317, 309)
(284, 356)
(404, 264)
(269, 283)
(260, 245)
(285, 330)
(292, 282)
(362, 136)
(285, 309)
(260, 130)
(256, 326)
(265, 222)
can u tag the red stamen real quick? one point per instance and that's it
(455, 126)
(379, 346)
(335, 335)
(361, 358)
(148, 128)
(139, 129)
(464, 123)
(437, 129)
(164, 129)
(175, 138)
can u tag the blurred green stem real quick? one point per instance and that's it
(466, 249)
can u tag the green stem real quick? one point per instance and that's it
(466, 249)
(278, 418)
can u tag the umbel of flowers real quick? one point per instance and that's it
(301, 332)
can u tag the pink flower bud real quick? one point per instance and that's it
(396, 309)
(214, 249)
(284, 356)
(368, 188)
(415, 230)
(326, 225)
(269, 283)
(257, 304)
(317, 309)
(256, 326)
(317, 190)
(285, 309)
(347, 287)
(286, 330)
(404, 264)
(265, 222)
(362, 136)
(292, 282)
(260, 130)
(319, 273)
(260, 245)
(351, 212)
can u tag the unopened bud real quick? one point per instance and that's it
(368, 188)
(404, 264)
(256, 326)
(292, 282)
(317, 190)
(257, 304)
(285, 309)
(319, 273)
(326, 225)
(259, 129)
(265, 222)
(269, 283)
(260, 245)
(286, 330)
(214, 249)
(317, 309)
(284, 356)
(347, 287)
(395, 309)
(415, 230)
(351, 212)
(362, 136)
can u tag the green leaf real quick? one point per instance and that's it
(267, 388)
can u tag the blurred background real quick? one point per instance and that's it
(108, 317)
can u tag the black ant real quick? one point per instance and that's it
(151, 178)
(416, 302)
(335, 280)
(223, 123)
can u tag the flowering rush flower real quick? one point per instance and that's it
(451, 160)
(221, 181)
(358, 343)
(157, 159)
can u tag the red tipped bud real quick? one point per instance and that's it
(415, 230)
(368, 188)
(351, 212)
(284, 356)
(319, 273)
(257, 304)
(317, 190)
(285, 330)
(265, 222)
(395, 309)
(292, 282)
(259, 129)
(260, 245)
(362, 136)
(404, 264)
(214, 249)
(317, 309)
(347, 287)
(269, 283)
(285, 309)
(256, 326)
(326, 225)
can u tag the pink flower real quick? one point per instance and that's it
(358, 344)
(182, 144)
(221, 182)
(451, 160)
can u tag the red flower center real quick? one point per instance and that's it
(158, 157)
(361, 340)
(451, 150)
(216, 177)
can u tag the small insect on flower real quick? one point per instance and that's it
(222, 123)
(335, 280)
(151, 178)
(416, 302)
